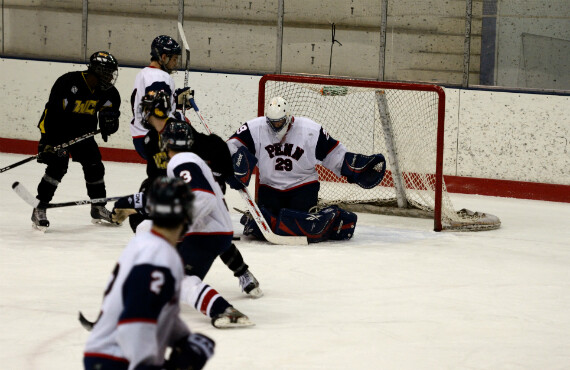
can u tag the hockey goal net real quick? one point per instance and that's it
(405, 122)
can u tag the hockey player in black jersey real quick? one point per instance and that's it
(211, 148)
(78, 102)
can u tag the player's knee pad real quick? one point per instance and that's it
(343, 226)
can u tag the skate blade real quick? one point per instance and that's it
(39, 228)
(98, 221)
(255, 293)
(225, 323)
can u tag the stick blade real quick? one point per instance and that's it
(183, 38)
(25, 194)
(87, 325)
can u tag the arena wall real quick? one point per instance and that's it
(496, 143)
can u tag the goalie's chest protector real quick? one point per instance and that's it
(291, 162)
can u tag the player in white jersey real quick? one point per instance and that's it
(212, 233)
(139, 316)
(164, 53)
(286, 150)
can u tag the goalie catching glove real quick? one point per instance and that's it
(183, 96)
(365, 170)
(127, 206)
(108, 122)
(244, 163)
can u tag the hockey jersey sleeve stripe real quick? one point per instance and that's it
(205, 191)
(212, 233)
(137, 320)
(103, 355)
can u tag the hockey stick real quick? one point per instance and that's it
(269, 235)
(61, 146)
(34, 202)
(193, 103)
(187, 67)
(88, 325)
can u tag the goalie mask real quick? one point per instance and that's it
(154, 103)
(277, 116)
(164, 45)
(169, 202)
(178, 136)
(103, 65)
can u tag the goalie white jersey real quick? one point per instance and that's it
(210, 213)
(149, 79)
(290, 162)
(140, 312)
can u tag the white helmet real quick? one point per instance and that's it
(278, 113)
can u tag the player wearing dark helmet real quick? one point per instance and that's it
(189, 156)
(140, 314)
(164, 52)
(78, 103)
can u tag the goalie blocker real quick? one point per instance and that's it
(330, 223)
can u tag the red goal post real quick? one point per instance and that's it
(403, 121)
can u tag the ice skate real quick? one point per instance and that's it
(100, 214)
(231, 318)
(250, 285)
(39, 219)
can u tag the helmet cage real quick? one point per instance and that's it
(103, 65)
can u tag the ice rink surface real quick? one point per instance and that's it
(396, 296)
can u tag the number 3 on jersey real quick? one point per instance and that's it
(186, 176)
(283, 164)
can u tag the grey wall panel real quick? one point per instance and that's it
(127, 38)
(309, 51)
(42, 33)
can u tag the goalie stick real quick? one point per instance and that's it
(269, 235)
(187, 66)
(61, 146)
(261, 222)
(34, 202)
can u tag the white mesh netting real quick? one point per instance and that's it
(401, 124)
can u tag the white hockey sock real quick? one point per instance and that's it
(201, 296)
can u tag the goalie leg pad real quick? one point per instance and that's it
(365, 170)
(316, 227)
(344, 225)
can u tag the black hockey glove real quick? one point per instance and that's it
(108, 122)
(47, 153)
(190, 353)
(183, 96)
(127, 206)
